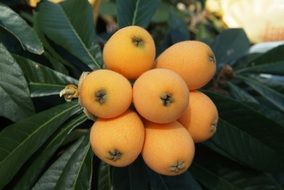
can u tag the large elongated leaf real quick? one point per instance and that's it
(43, 81)
(271, 95)
(63, 29)
(104, 177)
(19, 141)
(241, 146)
(17, 26)
(230, 45)
(180, 182)
(31, 174)
(73, 170)
(275, 68)
(132, 177)
(255, 127)
(14, 93)
(135, 12)
(216, 172)
(240, 94)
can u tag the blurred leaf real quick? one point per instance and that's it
(178, 28)
(217, 172)
(272, 56)
(162, 14)
(108, 8)
(104, 179)
(241, 146)
(120, 178)
(275, 82)
(240, 94)
(38, 163)
(276, 68)
(20, 140)
(14, 93)
(17, 26)
(254, 125)
(271, 95)
(72, 170)
(132, 177)
(230, 45)
(72, 31)
(43, 81)
(135, 12)
(180, 182)
(97, 53)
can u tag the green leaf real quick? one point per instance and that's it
(20, 140)
(238, 145)
(272, 56)
(132, 177)
(71, 31)
(14, 93)
(31, 174)
(216, 172)
(178, 27)
(43, 81)
(180, 182)
(275, 68)
(240, 94)
(271, 95)
(104, 177)
(254, 126)
(72, 170)
(135, 12)
(230, 45)
(17, 26)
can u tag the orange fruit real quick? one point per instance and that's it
(168, 148)
(130, 51)
(160, 95)
(200, 117)
(105, 93)
(118, 141)
(194, 61)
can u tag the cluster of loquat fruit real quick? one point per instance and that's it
(149, 105)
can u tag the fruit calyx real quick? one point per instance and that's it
(69, 92)
(101, 96)
(167, 99)
(114, 155)
(137, 41)
(177, 167)
(214, 126)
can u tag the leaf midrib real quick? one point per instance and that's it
(39, 128)
(78, 37)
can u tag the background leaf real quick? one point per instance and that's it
(276, 98)
(39, 161)
(248, 131)
(14, 93)
(230, 45)
(56, 23)
(104, 177)
(43, 81)
(19, 141)
(17, 26)
(135, 12)
(217, 172)
(71, 171)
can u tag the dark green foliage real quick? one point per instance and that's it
(50, 149)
